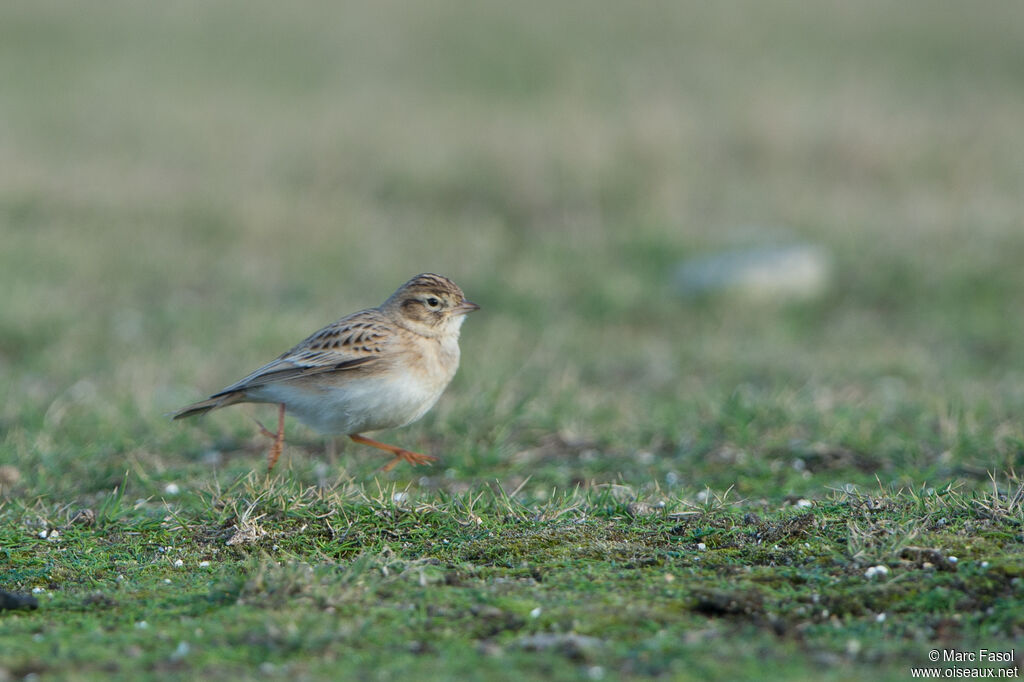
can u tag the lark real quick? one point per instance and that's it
(379, 368)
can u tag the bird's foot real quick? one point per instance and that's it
(401, 454)
(275, 450)
(413, 458)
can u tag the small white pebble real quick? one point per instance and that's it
(178, 563)
(876, 570)
(167, 581)
(172, 489)
(120, 577)
(880, 618)
(38, 590)
(952, 559)
(669, 578)
(141, 625)
(400, 497)
(204, 564)
(701, 546)
(43, 534)
(802, 503)
(535, 613)
(984, 564)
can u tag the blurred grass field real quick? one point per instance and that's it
(188, 189)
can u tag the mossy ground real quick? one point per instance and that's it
(270, 579)
(633, 484)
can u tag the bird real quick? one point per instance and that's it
(375, 369)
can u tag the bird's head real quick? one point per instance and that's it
(429, 304)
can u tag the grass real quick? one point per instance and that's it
(185, 190)
(268, 578)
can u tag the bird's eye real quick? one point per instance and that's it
(433, 302)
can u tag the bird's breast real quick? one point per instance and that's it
(353, 402)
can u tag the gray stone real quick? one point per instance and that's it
(775, 273)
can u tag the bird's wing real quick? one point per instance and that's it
(354, 341)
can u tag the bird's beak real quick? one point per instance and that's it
(466, 307)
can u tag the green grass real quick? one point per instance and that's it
(271, 579)
(186, 190)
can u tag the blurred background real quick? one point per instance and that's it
(770, 245)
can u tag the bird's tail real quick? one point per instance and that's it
(212, 403)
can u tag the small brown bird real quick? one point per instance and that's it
(375, 369)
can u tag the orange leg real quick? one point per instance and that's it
(401, 454)
(278, 438)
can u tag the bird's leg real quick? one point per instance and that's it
(401, 454)
(278, 438)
